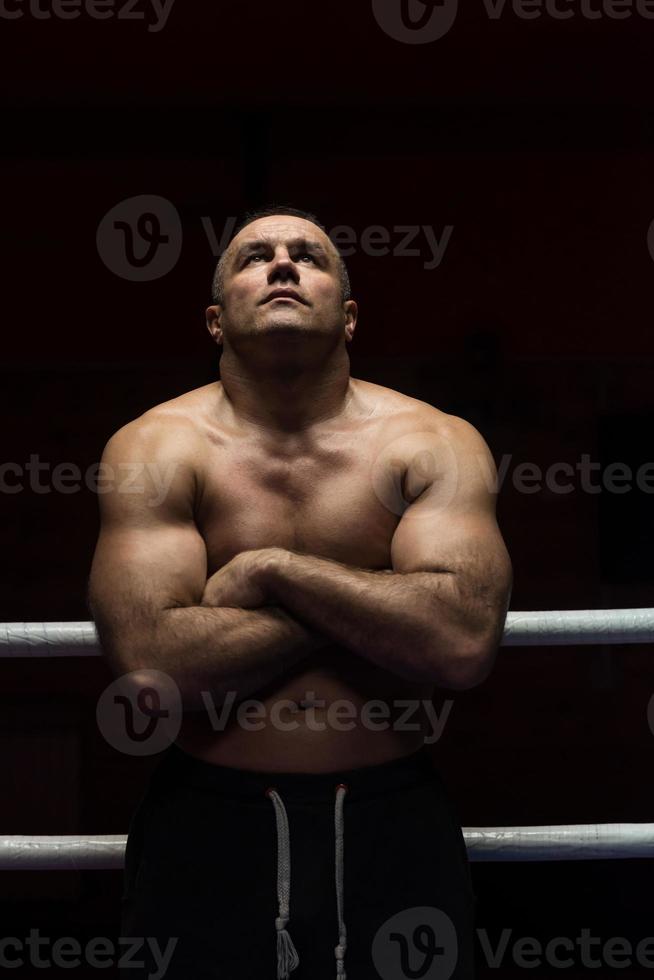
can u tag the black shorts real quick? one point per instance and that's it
(381, 891)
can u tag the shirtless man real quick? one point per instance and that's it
(322, 539)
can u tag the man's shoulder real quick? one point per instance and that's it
(409, 414)
(171, 427)
(434, 446)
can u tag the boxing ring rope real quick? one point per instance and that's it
(581, 842)
(547, 628)
(584, 842)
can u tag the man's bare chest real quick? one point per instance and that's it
(321, 499)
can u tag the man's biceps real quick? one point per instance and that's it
(416, 548)
(167, 547)
(154, 551)
(448, 542)
(130, 499)
(150, 580)
(142, 503)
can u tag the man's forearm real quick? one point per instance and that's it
(413, 624)
(220, 651)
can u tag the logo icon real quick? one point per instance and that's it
(416, 944)
(650, 239)
(408, 466)
(415, 21)
(140, 713)
(140, 239)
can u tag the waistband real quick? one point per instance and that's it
(178, 766)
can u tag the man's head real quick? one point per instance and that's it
(274, 252)
(217, 291)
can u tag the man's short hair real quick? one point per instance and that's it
(217, 290)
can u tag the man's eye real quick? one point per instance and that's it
(251, 258)
(307, 255)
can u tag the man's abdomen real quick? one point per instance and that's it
(320, 719)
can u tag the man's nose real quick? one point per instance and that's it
(283, 268)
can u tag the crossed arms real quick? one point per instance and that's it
(435, 617)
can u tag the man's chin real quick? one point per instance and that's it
(283, 325)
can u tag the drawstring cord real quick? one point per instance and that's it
(339, 950)
(287, 957)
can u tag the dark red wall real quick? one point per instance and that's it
(534, 141)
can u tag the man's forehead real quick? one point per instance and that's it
(280, 230)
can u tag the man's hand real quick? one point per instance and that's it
(242, 581)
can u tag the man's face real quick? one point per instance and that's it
(281, 280)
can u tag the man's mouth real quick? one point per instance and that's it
(284, 294)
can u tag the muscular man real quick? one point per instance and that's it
(327, 548)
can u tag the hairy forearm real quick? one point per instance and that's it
(219, 650)
(415, 624)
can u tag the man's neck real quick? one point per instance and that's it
(286, 400)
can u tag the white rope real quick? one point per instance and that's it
(547, 628)
(583, 842)
(585, 626)
(48, 640)
(62, 853)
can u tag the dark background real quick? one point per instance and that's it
(533, 140)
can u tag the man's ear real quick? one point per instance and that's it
(213, 315)
(351, 311)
